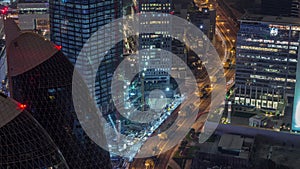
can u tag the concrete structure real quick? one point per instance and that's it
(258, 121)
(262, 148)
(34, 15)
(224, 150)
(234, 145)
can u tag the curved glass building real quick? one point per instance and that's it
(23, 141)
(41, 77)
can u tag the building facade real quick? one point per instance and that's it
(156, 64)
(43, 81)
(266, 64)
(73, 22)
(205, 20)
(24, 143)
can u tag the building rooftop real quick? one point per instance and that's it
(11, 29)
(33, 1)
(284, 153)
(182, 4)
(9, 110)
(269, 19)
(22, 55)
(231, 142)
(33, 5)
(23, 6)
(259, 117)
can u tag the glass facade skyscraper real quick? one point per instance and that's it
(267, 55)
(73, 22)
(43, 81)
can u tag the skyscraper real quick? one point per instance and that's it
(73, 22)
(24, 143)
(267, 55)
(156, 64)
(40, 76)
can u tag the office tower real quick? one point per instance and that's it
(34, 15)
(205, 20)
(72, 23)
(40, 76)
(156, 64)
(288, 8)
(24, 144)
(267, 53)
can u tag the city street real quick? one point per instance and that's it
(226, 31)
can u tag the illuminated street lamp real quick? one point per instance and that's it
(149, 164)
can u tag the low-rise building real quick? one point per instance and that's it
(34, 15)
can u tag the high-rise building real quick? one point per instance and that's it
(287, 8)
(40, 76)
(73, 22)
(266, 62)
(24, 143)
(156, 64)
